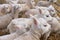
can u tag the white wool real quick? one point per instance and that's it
(19, 23)
(55, 24)
(5, 20)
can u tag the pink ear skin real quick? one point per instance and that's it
(35, 21)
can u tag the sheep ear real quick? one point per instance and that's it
(34, 19)
(40, 11)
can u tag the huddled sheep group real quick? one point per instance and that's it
(40, 19)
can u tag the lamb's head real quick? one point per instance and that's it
(41, 24)
(52, 10)
(21, 7)
(32, 2)
(7, 8)
(45, 14)
(44, 25)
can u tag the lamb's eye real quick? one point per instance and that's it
(45, 25)
(47, 15)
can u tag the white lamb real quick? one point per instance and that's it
(51, 10)
(39, 12)
(51, 20)
(5, 19)
(39, 28)
(19, 23)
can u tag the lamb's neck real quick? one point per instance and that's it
(35, 33)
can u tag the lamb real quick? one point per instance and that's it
(55, 25)
(52, 11)
(47, 4)
(16, 33)
(41, 27)
(46, 15)
(19, 23)
(39, 12)
(51, 20)
(50, 8)
(5, 20)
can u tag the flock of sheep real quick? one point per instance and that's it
(41, 19)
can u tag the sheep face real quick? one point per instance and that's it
(44, 25)
(41, 24)
(33, 2)
(45, 14)
(7, 8)
(21, 7)
(52, 10)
